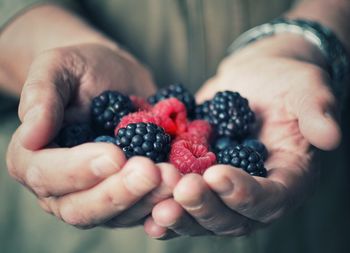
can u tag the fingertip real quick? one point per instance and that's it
(154, 230)
(141, 169)
(321, 129)
(167, 213)
(192, 197)
(114, 153)
(39, 127)
(170, 175)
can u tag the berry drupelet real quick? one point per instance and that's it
(202, 111)
(105, 138)
(231, 115)
(74, 135)
(144, 139)
(245, 158)
(257, 146)
(108, 108)
(176, 91)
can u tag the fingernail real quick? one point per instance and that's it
(104, 166)
(31, 114)
(225, 188)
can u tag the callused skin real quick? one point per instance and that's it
(286, 86)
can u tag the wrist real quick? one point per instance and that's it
(284, 45)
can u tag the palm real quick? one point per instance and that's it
(272, 100)
(290, 109)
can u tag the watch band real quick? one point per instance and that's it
(321, 36)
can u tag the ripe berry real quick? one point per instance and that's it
(191, 157)
(231, 115)
(144, 139)
(257, 146)
(172, 114)
(74, 135)
(176, 91)
(108, 108)
(245, 158)
(202, 111)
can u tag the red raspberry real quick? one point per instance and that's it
(137, 117)
(173, 115)
(189, 157)
(140, 103)
(198, 131)
(200, 127)
(194, 138)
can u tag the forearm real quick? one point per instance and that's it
(41, 28)
(334, 14)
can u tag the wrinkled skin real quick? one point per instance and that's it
(294, 107)
(84, 186)
(93, 184)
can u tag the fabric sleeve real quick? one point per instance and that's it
(10, 9)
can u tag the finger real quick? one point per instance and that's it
(170, 214)
(47, 174)
(260, 199)
(194, 195)
(206, 91)
(169, 178)
(157, 232)
(316, 118)
(45, 93)
(111, 197)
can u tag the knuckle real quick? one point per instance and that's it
(35, 180)
(241, 230)
(244, 199)
(74, 180)
(69, 59)
(74, 216)
(112, 199)
(115, 155)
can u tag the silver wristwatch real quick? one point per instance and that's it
(329, 45)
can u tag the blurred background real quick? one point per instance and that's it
(177, 51)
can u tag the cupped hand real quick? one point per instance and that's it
(294, 106)
(91, 184)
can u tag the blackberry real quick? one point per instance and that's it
(108, 108)
(74, 135)
(245, 158)
(144, 139)
(257, 146)
(176, 91)
(202, 111)
(105, 138)
(222, 143)
(231, 115)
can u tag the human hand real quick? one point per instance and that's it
(290, 95)
(85, 185)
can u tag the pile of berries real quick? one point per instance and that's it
(170, 127)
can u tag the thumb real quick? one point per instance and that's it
(44, 96)
(317, 121)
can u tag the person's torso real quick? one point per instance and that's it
(180, 40)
